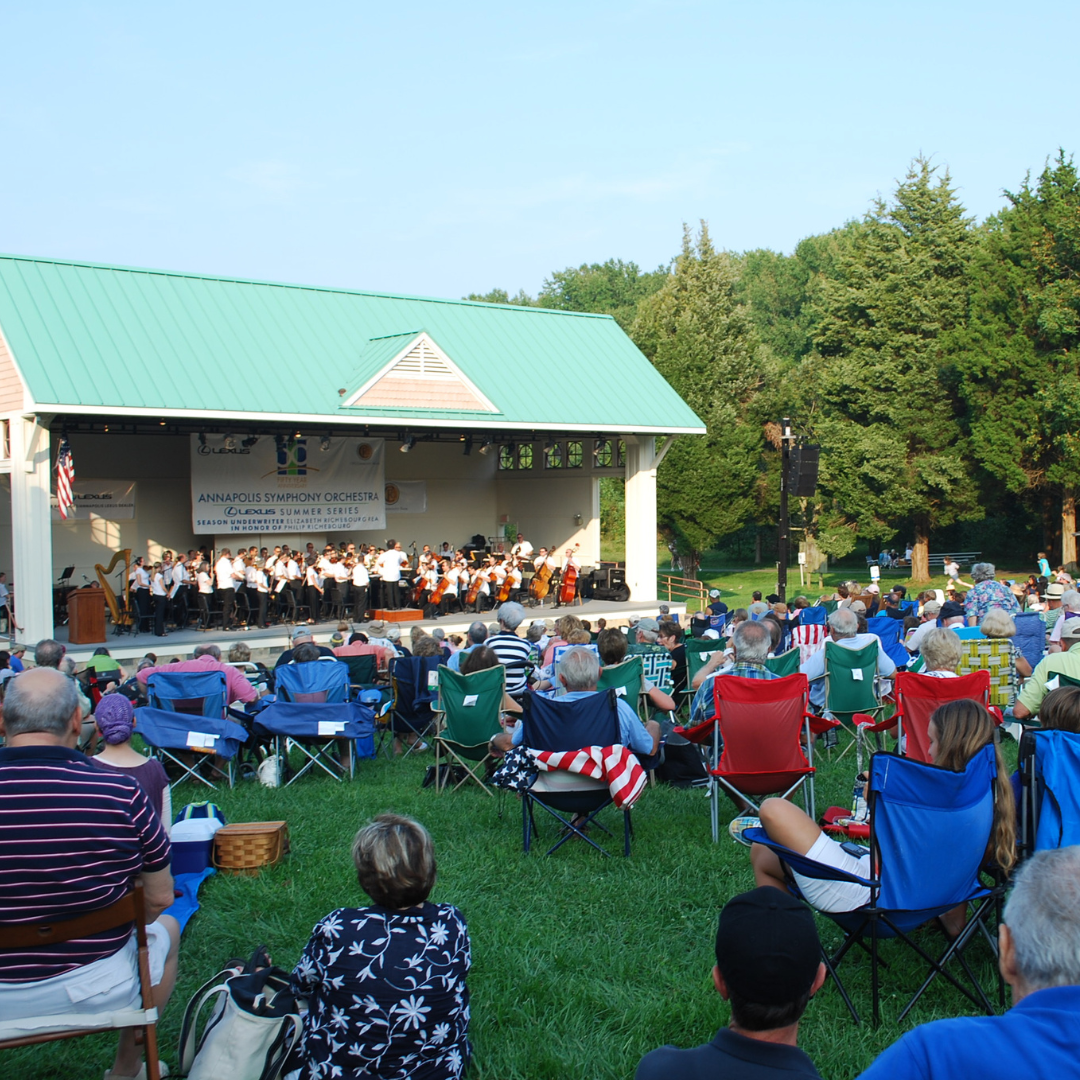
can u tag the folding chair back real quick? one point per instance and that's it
(813, 616)
(471, 707)
(414, 682)
(995, 657)
(849, 679)
(197, 693)
(808, 638)
(141, 1016)
(363, 669)
(626, 679)
(1050, 773)
(828, 606)
(917, 696)
(891, 632)
(318, 681)
(656, 668)
(787, 663)
(1030, 636)
(761, 723)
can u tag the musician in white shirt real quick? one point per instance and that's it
(178, 591)
(389, 565)
(140, 582)
(161, 599)
(522, 549)
(360, 582)
(226, 586)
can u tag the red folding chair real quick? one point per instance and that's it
(767, 730)
(917, 696)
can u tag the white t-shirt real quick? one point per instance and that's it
(359, 574)
(223, 572)
(389, 564)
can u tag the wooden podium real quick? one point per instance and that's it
(86, 616)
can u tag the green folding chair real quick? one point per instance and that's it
(829, 605)
(626, 679)
(850, 676)
(787, 663)
(363, 671)
(695, 661)
(471, 706)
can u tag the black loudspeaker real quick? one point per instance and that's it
(802, 471)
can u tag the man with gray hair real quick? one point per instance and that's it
(1067, 609)
(208, 658)
(1039, 957)
(48, 653)
(986, 593)
(515, 654)
(477, 634)
(579, 671)
(752, 641)
(75, 838)
(844, 630)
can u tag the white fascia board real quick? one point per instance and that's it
(478, 422)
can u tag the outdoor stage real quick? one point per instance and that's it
(269, 643)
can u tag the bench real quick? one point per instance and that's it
(962, 557)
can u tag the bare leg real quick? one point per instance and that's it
(788, 825)
(128, 1059)
(767, 868)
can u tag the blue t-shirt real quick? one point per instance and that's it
(729, 1055)
(1038, 1039)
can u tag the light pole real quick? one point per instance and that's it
(787, 441)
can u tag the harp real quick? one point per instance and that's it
(120, 616)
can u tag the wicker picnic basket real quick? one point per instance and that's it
(246, 847)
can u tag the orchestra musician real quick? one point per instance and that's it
(522, 549)
(570, 569)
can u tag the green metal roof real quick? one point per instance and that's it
(105, 339)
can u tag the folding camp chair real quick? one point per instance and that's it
(813, 616)
(363, 671)
(1049, 765)
(314, 715)
(627, 680)
(995, 657)
(787, 663)
(1030, 636)
(808, 638)
(928, 834)
(559, 725)
(414, 686)
(471, 706)
(186, 711)
(850, 676)
(141, 1016)
(917, 696)
(765, 728)
(891, 632)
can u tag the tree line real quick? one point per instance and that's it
(934, 360)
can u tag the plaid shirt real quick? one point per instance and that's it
(704, 707)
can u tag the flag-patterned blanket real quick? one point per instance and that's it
(615, 765)
(810, 639)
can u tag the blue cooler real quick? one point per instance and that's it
(192, 843)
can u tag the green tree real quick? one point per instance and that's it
(883, 407)
(701, 339)
(1018, 362)
(612, 288)
(501, 296)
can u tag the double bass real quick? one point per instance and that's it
(540, 585)
(568, 588)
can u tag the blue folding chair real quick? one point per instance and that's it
(929, 829)
(414, 685)
(186, 712)
(559, 725)
(811, 615)
(1030, 636)
(314, 715)
(1049, 764)
(891, 632)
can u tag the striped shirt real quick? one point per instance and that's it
(519, 658)
(73, 839)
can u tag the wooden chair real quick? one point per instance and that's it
(32, 1030)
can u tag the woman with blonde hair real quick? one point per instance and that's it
(941, 651)
(958, 731)
(386, 983)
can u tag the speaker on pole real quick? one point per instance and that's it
(802, 471)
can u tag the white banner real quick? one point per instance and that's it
(406, 496)
(113, 500)
(286, 485)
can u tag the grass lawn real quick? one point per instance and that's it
(581, 964)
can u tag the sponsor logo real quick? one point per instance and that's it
(392, 494)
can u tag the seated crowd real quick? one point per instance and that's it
(112, 831)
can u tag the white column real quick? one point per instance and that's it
(641, 517)
(31, 528)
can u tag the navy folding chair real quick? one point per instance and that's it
(414, 683)
(891, 632)
(186, 712)
(929, 829)
(1050, 800)
(1030, 636)
(313, 714)
(812, 615)
(559, 725)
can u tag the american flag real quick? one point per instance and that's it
(65, 476)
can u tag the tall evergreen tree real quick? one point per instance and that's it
(701, 339)
(885, 414)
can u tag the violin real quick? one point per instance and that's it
(568, 589)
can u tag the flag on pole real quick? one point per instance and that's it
(65, 476)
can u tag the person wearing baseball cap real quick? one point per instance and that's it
(1045, 677)
(716, 605)
(768, 966)
(930, 612)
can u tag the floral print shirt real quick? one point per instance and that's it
(387, 994)
(986, 595)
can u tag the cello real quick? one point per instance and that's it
(568, 588)
(507, 585)
(474, 587)
(440, 590)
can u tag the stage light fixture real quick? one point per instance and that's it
(230, 442)
(486, 448)
(250, 441)
(324, 443)
(408, 444)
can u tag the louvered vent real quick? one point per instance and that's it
(421, 362)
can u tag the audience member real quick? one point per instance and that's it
(986, 593)
(1048, 669)
(515, 654)
(768, 966)
(477, 635)
(844, 630)
(104, 835)
(1039, 957)
(942, 651)
(751, 642)
(115, 719)
(208, 658)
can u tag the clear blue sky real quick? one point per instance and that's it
(438, 148)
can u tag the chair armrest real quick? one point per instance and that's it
(820, 724)
(697, 733)
(996, 713)
(866, 722)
